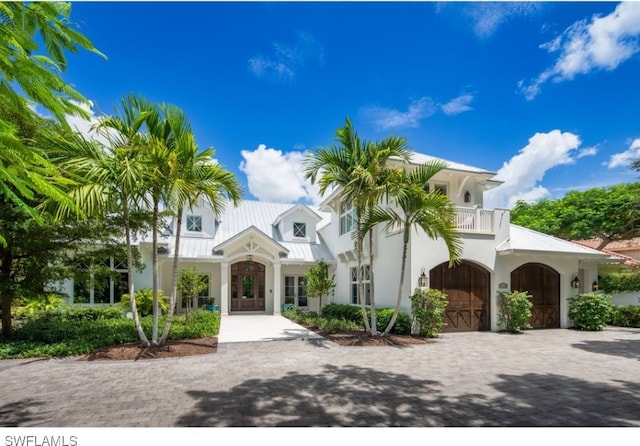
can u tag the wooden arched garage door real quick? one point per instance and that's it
(467, 287)
(543, 284)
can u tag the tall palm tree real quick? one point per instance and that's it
(194, 176)
(110, 176)
(355, 166)
(430, 211)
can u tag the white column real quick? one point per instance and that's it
(224, 288)
(276, 288)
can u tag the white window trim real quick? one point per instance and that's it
(345, 213)
(187, 223)
(304, 229)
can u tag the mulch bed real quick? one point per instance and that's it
(135, 351)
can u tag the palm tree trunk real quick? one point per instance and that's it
(174, 279)
(154, 261)
(374, 327)
(360, 286)
(132, 299)
(405, 243)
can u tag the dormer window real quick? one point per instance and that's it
(194, 223)
(299, 229)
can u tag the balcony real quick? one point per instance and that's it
(475, 220)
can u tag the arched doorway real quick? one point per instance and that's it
(467, 287)
(247, 286)
(543, 284)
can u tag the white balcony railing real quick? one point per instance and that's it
(475, 220)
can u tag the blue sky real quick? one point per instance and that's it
(544, 94)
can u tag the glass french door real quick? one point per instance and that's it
(295, 291)
(247, 286)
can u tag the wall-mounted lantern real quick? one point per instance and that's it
(467, 197)
(594, 286)
(422, 280)
(575, 283)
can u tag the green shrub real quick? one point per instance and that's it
(144, 302)
(402, 325)
(77, 331)
(200, 324)
(626, 316)
(590, 311)
(619, 282)
(515, 311)
(427, 307)
(337, 325)
(77, 313)
(39, 304)
(346, 312)
(353, 313)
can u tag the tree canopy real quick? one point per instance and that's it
(607, 213)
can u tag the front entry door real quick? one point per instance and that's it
(295, 291)
(247, 286)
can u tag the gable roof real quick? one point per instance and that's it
(523, 240)
(296, 208)
(258, 217)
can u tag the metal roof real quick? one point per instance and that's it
(523, 240)
(261, 216)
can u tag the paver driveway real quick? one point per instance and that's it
(542, 378)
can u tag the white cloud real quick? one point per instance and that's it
(624, 159)
(523, 172)
(458, 105)
(487, 17)
(276, 176)
(287, 59)
(390, 118)
(587, 151)
(602, 43)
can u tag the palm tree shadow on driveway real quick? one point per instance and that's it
(357, 396)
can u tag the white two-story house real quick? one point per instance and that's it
(255, 256)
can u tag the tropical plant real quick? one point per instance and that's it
(414, 207)
(191, 284)
(319, 283)
(195, 176)
(515, 310)
(31, 75)
(144, 302)
(428, 307)
(590, 311)
(355, 165)
(111, 177)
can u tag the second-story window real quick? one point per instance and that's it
(299, 230)
(194, 223)
(348, 218)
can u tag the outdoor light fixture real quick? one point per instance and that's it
(594, 286)
(422, 280)
(467, 197)
(575, 283)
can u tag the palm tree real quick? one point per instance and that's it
(110, 176)
(355, 166)
(194, 176)
(431, 211)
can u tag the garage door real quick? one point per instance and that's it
(543, 284)
(467, 287)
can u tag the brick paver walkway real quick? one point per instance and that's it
(541, 378)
